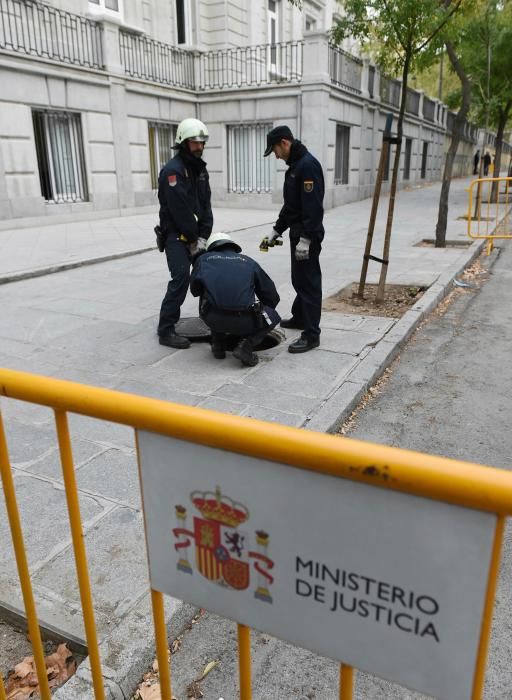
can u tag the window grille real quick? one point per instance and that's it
(162, 137)
(424, 157)
(387, 165)
(249, 171)
(342, 154)
(407, 159)
(60, 156)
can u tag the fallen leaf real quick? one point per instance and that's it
(23, 682)
(175, 645)
(150, 692)
(209, 667)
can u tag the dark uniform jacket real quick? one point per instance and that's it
(184, 190)
(303, 195)
(229, 281)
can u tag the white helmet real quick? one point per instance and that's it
(219, 240)
(192, 129)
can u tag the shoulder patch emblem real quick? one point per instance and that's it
(171, 179)
(308, 185)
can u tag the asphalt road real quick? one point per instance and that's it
(448, 394)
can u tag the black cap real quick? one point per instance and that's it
(275, 136)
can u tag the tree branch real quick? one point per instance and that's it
(450, 14)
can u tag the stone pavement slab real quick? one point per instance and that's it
(96, 324)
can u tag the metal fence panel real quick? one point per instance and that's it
(40, 30)
(412, 101)
(429, 109)
(390, 90)
(434, 478)
(345, 70)
(143, 57)
(242, 66)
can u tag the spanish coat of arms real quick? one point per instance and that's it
(222, 551)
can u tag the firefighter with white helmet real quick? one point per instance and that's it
(186, 221)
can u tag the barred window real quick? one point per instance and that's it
(424, 160)
(60, 156)
(112, 5)
(249, 171)
(341, 154)
(407, 159)
(161, 141)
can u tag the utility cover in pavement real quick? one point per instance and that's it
(195, 329)
(389, 583)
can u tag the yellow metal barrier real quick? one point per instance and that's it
(464, 484)
(489, 205)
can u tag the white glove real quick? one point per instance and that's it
(197, 247)
(275, 234)
(302, 249)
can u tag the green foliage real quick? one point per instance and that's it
(397, 32)
(488, 56)
(429, 80)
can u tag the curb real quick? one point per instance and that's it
(51, 269)
(329, 417)
(128, 652)
(62, 267)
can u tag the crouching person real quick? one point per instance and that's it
(237, 298)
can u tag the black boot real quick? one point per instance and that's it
(244, 353)
(173, 340)
(218, 347)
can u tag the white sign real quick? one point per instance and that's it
(386, 582)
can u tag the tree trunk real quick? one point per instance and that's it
(457, 132)
(379, 298)
(502, 123)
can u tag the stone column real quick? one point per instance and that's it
(110, 46)
(364, 78)
(316, 85)
(420, 105)
(119, 113)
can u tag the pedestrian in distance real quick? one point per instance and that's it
(238, 298)
(487, 163)
(302, 213)
(186, 221)
(476, 160)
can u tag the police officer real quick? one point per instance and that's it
(186, 221)
(302, 213)
(237, 298)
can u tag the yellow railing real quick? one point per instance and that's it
(489, 205)
(464, 484)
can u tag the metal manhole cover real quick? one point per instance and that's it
(194, 328)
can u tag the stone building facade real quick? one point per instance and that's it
(92, 91)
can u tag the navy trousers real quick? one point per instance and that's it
(307, 282)
(178, 262)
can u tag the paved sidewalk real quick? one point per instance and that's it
(28, 252)
(96, 324)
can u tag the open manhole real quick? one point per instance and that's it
(196, 330)
(453, 243)
(398, 299)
